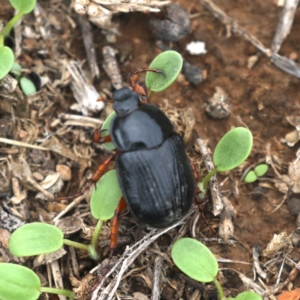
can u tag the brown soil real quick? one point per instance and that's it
(261, 98)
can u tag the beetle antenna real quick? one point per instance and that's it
(140, 88)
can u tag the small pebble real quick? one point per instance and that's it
(258, 193)
(218, 106)
(293, 205)
(175, 27)
(192, 73)
(64, 171)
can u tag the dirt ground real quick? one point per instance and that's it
(263, 99)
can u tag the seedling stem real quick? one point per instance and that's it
(62, 292)
(219, 288)
(8, 27)
(76, 245)
(94, 245)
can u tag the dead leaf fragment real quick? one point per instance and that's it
(4, 237)
(64, 171)
(69, 224)
(294, 173)
(292, 138)
(49, 181)
(44, 259)
(279, 242)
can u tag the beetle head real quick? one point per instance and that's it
(125, 100)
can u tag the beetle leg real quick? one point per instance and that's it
(139, 87)
(97, 138)
(114, 233)
(114, 226)
(101, 169)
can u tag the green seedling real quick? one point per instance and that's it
(104, 201)
(258, 171)
(170, 62)
(197, 261)
(26, 84)
(40, 238)
(232, 150)
(6, 54)
(18, 282)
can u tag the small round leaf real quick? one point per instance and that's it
(34, 239)
(16, 69)
(25, 6)
(170, 62)
(261, 170)
(27, 86)
(250, 177)
(194, 259)
(248, 296)
(106, 196)
(6, 60)
(18, 282)
(105, 131)
(233, 149)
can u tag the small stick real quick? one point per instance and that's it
(226, 227)
(70, 206)
(89, 45)
(256, 264)
(285, 24)
(157, 278)
(215, 194)
(38, 187)
(57, 277)
(111, 67)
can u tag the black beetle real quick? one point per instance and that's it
(154, 172)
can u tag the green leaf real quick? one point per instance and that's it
(6, 60)
(248, 296)
(18, 282)
(170, 62)
(27, 86)
(25, 6)
(261, 170)
(34, 239)
(16, 69)
(250, 177)
(106, 196)
(194, 259)
(105, 131)
(233, 149)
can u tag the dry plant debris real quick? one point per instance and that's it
(101, 12)
(41, 144)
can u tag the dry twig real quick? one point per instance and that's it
(111, 67)
(89, 46)
(215, 194)
(156, 278)
(285, 24)
(283, 63)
